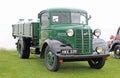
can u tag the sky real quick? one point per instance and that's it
(105, 15)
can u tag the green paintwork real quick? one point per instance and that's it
(81, 40)
(45, 34)
(36, 35)
(50, 58)
(58, 31)
(64, 10)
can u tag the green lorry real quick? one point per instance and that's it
(61, 35)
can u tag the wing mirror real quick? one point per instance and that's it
(89, 17)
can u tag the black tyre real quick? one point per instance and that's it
(117, 51)
(97, 63)
(23, 48)
(37, 51)
(51, 60)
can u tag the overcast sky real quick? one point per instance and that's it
(105, 15)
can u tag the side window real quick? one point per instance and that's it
(44, 19)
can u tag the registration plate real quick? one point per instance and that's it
(69, 51)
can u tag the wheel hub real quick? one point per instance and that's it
(50, 58)
(19, 50)
(118, 52)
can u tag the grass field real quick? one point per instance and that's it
(13, 67)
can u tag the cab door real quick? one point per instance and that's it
(45, 28)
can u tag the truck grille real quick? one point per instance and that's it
(84, 41)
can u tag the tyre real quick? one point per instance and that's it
(37, 51)
(97, 63)
(23, 48)
(117, 51)
(51, 60)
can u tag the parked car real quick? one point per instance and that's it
(114, 44)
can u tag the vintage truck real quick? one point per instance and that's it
(61, 35)
(114, 44)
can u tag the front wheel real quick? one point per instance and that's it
(97, 63)
(117, 51)
(51, 60)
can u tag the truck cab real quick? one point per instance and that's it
(65, 35)
(114, 44)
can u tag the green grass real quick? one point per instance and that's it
(13, 67)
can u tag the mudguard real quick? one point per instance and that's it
(113, 44)
(98, 42)
(57, 45)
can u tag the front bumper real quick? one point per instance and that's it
(87, 57)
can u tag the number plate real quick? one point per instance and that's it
(69, 51)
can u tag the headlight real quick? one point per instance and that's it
(97, 32)
(70, 32)
(99, 49)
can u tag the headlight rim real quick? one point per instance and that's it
(70, 32)
(99, 49)
(96, 32)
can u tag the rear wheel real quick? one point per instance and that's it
(97, 63)
(117, 51)
(51, 60)
(23, 48)
(37, 51)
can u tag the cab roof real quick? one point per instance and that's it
(64, 10)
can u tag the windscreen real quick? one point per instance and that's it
(68, 18)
